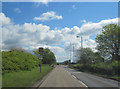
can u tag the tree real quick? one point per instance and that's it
(87, 56)
(108, 43)
(66, 62)
(48, 56)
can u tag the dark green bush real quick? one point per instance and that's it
(109, 69)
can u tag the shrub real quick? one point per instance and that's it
(17, 60)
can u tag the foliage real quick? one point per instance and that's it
(106, 60)
(15, 60)
(87, 56)
(108, 69)
(66, 62)
(109, 42)
(48, 56)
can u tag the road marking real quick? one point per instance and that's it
(68, 72)
(78, 79)
(74, 76)
(83, 83)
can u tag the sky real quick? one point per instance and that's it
(54, 25)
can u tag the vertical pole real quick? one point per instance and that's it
(73, 52)
(81, 42)
(70, 54)
(70, 51)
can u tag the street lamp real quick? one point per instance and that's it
(81, 41)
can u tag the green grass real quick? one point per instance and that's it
(24, 78)
(114, 77)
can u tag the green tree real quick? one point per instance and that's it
(108, 43)
(48, 56)
(87, 56)
(66, 62)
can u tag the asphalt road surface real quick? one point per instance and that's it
(59, 77)
(62, 76)
(92, 80)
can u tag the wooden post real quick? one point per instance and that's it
(41, 51)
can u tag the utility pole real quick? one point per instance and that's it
(73, 52)
(81, 42)
(70, 51)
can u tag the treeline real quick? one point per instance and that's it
(107, 58)
(19, 60)
(47, 55)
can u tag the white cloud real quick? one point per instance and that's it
(95, 28)
(38, 2)
(73, 6)
(58, 51)
(83, 21)
(48, 16)
(15, 35)
(4, 20)
(31, 35)
(17, 10)
(90, 43)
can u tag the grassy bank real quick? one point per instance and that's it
(24, 78)
(16, 60)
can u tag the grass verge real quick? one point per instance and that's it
(24, 78)
(114, 77)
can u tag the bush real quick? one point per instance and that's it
(17, 60)
(109, 69)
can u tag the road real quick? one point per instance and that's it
(59, 77)
(62, 76)
(92, 80)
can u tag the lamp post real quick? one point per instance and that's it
(81, 41)
(73, 53)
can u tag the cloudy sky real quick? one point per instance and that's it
(54, 25)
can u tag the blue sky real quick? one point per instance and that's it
(92, 11)
(55, 16)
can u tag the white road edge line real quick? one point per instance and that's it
(77, 79)
(83, 83)
(74, 76)
(68, 72)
